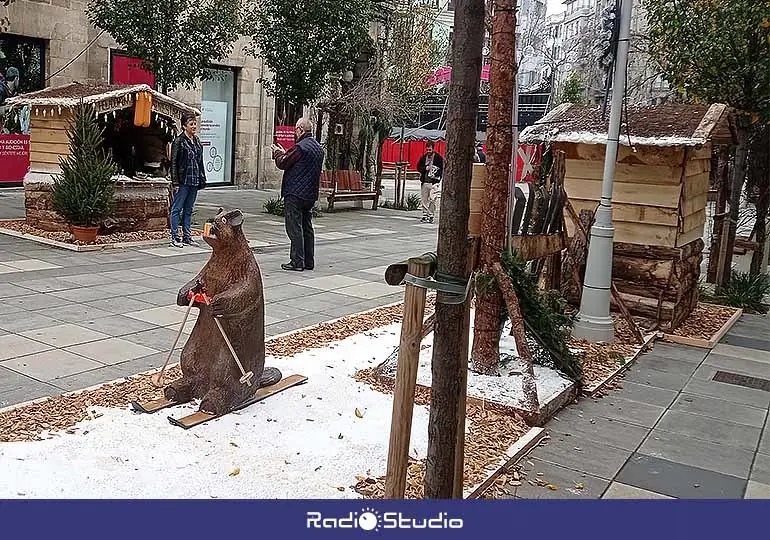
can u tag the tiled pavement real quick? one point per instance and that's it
(672, 431)
(71, 320)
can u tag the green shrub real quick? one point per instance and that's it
(744, 291)
(83, 193)
(413, 202)
(274, 206)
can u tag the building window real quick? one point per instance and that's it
(24, 58)
(217, 124)
(125, 69)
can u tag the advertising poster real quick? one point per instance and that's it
(14, 146)
(213, 136)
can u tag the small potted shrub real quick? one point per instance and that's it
(83, 193)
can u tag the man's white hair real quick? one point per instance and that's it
(305, 125)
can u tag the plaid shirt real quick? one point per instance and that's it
(187, 162)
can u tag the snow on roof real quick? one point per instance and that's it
(671, 124)
(105, 96)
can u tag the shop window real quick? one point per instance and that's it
(22, 65)
(217, 124)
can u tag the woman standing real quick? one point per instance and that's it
(188, 175)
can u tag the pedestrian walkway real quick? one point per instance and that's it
(70, 320)
(687, 423)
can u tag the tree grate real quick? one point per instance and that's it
(742, 380)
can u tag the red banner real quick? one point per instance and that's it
(284, 136)
(129, 70)
(528, 159)
(14, 155)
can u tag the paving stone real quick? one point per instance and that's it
(666, 365)
(728, 392)
(747, 342)
(281, 312)
(117, 325)
(679, 480)
(87, 280)
(8, 290)
(764, 443)
(28, 392)
(46, 285)
(710, 429)
(658, 379)
(38, 301)
(29, 265)
(123, 275)
(12, 346)
(720, 409)
(330, 283)
(754, 490)
(20, 321)
(111, 351)
(676, 351)
(683, 448)
(75, 313)
(618, 490)
(567, 482)
(156, 298)
(89, 378)
(632, 412)
(81, 294)
(160, 339)
(157, 271)
(120, 305)
(760, 472)
(739, 365)
(645, 393)
(605, 430)
(160, 316)
(146, 363)
(50, 365)
(64, 335)
(11, 380)
(369, 291)
(581, 454)
(731, 351)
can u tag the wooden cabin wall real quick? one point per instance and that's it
(659, 210)
(48, 141)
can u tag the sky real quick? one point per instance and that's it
(555, 6)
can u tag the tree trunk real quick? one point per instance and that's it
(489, 301)
(742, 131)
(448, 354)
(759, 171)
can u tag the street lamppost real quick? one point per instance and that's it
(593, 321)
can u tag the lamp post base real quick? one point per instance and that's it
(594, 329)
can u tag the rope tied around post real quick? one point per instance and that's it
(450, 289)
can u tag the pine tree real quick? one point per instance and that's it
(83, 192)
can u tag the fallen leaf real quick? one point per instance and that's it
(516, 483)
(234, 472)
(233, 444)
(551, 487)
(340, 488)
(579, 485)
(359, 413)
(339, 436)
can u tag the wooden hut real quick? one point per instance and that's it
(138, 124)
(660, 194)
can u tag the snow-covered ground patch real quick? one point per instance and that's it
(306, 442)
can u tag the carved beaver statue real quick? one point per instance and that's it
(233, 282)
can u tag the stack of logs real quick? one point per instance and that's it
(655, 282)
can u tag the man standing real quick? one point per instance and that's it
(302, 166)
(431, 169)
(188, 175)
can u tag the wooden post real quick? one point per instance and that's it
(457, 492)
(406, 380)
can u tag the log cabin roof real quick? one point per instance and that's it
(671, 124)
(106, 98)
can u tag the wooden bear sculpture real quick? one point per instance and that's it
(233, 282)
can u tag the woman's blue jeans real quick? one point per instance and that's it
(182, 206)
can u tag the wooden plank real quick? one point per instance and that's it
(624, 173)
(43, 157)
(689, 236)
(48, 135)
(666, 196)
(710, 121)
(703, 152)
(646, 155)
(694, 204)
(61, 149)
(694, 221)
(697, 166)
(38, 122)
(706, 343)
(535, 247)
(634, 213)
(640, 233)
(696, 185)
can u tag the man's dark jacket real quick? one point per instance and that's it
(438, 161)
(302, 166)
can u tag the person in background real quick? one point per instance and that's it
(188, 176)
(301, 166)
(431, 169)
(479, 156)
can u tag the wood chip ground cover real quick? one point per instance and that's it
(705, 321)
(65, 237)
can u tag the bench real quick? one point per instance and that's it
(344, 185)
